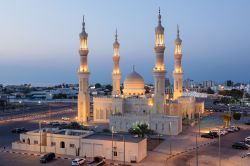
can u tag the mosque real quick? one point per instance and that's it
(125, 108)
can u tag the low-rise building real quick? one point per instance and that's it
(83, 143)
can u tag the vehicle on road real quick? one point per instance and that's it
(243, 142)
(207, 135)
(78, 161)
(247, 123)
(47, 157)
(235, 128)
(65, 118)
(19, 130)
(239, 145)
(230, 130)
(247, 138)
(213, 133)
(98, 161)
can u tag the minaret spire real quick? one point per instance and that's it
(178, 72)
(83, 74)
(178, 31)
(159, 17)
(116, 35)
(116, 74)
(159, 71)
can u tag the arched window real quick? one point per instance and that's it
(28, 141)
(62, 145)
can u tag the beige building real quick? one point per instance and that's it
(131, 105)
(83, 143)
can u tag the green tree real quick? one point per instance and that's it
(236, 116)
(210, 91)
(98, 85)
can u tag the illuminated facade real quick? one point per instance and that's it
(116, 74)
(131, 105)
(83, 74)
(159, 71)
(178, 72)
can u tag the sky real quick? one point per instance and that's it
(39, 40)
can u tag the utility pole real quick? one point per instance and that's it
(199, 123)
(170, 137)
(112, 144)
(219, 149)
(124, 150)
(196, 151)
(40, 136)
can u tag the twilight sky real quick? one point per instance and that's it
(39, 39)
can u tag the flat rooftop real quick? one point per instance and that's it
(116, 137)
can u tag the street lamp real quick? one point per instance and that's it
(170, 142)
(196, 141)
(219, 149)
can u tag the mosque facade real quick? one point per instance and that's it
(127, 107)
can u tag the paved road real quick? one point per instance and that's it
(7, 159)
(208, 156)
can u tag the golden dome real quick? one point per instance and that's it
(134, 85)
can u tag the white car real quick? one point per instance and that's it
(247, 138)
(65, 118)
(78, 161)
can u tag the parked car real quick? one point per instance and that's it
(247, 123)
(19, 130)
(247, 138)
(230, 130)
(235, 128)
(207, 135)
(247, 144)
(214, 134)
(47, 157)
(65, 118)
(78, 161)
(239, 145)
(98, 161)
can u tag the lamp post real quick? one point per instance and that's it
(170, 142)
(196, 150)
(219, 149)
(40, 124)
(123, 150)
(112, 143)
(199, 123)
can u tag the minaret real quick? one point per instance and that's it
(83, 73)
(159, 71)
(178, 73)
(116, 74)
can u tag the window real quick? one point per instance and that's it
(62, 145)
(53, 144)
(35, 142)
(71, 145)
(115, 153)
(23, 140)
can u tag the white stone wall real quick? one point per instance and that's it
(157, 122)
(80, 146)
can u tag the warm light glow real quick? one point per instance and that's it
(159, 41)
(178, 49)
(150, 102)
(83, 44)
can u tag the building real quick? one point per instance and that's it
(83, 143)
(134, 106)
(208, 84)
